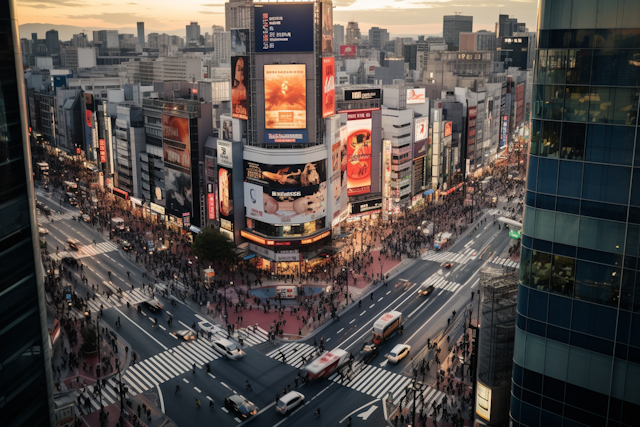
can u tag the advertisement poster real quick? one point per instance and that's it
(239, 79)
(362, 94)
(178, 191)
(211, 206)
(284, 27)
(416, 96)
(239, 41)
(448, 129)
(285, 96)
(103, 152)
(327, 27)
(175, 136)
(328, 86)
(225, 153)
(280, 194)
(225, 193)
(336, 173)
(504, 135)
(359, 152)
(227, 130)
(420, 148)
(286, 136)
(350, 50)
(422, 128)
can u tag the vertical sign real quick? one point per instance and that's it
(103, 152)
(211, 206)
(359, 125)
(387, 177)
(239, 80)
(328, 87)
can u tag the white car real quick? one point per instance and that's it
(207, 326)
(42, 230)
(228, 349)
(398, 353)
(289, 402)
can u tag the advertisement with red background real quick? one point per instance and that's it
(348, 50)
(211, 206)
(103, 152)
(239, 79)
(175, 135)
(448, 129)
(328, 87)
(359, 125)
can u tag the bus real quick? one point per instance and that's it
(118, 223)
(386, 326)
(327, 363)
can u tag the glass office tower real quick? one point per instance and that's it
(25, 367)
(577, 347)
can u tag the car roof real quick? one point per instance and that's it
(236, 398)
(182, 332)
(287, 397)
(398, 347)
(225, 342)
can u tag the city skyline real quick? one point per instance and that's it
(398, 17)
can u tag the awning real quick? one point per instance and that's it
(195, 229)
(426, 193)
(249, 256)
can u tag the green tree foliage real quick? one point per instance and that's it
(212, 246)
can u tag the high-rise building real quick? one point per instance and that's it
(378, 37)
(353, 33)
(141, 34)
(338, 37)
(108, 38)
(453, 25)
(25, 362)
(479, 41)
(53, 45)
(193, 32)
(577, 345)
(237, 14)
(221, 42)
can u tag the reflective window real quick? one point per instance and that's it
(579, 66)
(594, 320)
(554, 102)
(545, 202)
(630, 37)
(610, 144)
(573, 136)
(525, 267)
(544, 226)
(601, 105)
(538, 102)
(571, 206)
(550, 146)
(532, 174)
(570, 178)
(583, 14)
(556, 65)
(576, 103)
(547, 176)
(604, 38)
(538, 302)
(560, 311)
(540, 270)
(635, 188)
(626, 106)
(605, 183)
(627, 289)
(629, 68)
(597, 283)
(605, 63)
(602, 235)
(536, 130)
(541, 67)
(566, 229)
(603, 210)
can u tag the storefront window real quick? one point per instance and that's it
(290, 230)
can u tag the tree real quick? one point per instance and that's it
(213, 246)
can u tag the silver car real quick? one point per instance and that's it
(228, 349)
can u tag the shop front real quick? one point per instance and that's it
(367, 210)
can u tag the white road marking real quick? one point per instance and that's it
(225, 409)
(212, 376)
(140, 327)
(352, 321)
(380, 299)
(363, 313)
(225, 385)
(372, 305)
(197, 389)
(388, 293)
(342, 329)
(161, 398)
(185, 380)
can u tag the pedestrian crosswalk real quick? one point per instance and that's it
(295, 354)
(504, 262)
(249, 336)
(134, 297)
(454, 257)
(55, 215)
(99, 248)
(439, 282)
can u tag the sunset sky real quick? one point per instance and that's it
(398, 16)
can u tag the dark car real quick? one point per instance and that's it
(125, 245)
(153, 305)
(425, 290)
(240, 406)
(368, 353)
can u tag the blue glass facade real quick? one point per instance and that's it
(25, 366)
(577, 348)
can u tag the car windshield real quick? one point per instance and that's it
(232, 347)
(392, 354)
(281, 403)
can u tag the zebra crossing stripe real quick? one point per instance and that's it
(149, 373)
(155, 360)
(366, 384)
(384, 386)
(170, 367)
(375, 384)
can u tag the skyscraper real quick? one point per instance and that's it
(141, 34)
(378, 37)
(53, 45)
(353, 33)
(25, 366)
(338, 37)
(453, 25)
(237, 14)
(193, 32)
(577, 346)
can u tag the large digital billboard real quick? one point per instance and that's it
(421, 128)
(284, 27)
(448, 129)
(285, 194)
(327, 27)
(175, 136)
(328, 86)
(225, 193)
(349, 50)
(416, 96)
(362, 94)
(239, 42)
(420, 148)
(178, 191)
(285, 96)
(239, 83)
(359, 152)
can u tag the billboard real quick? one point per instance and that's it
(225, 153)
(278, 194)
(284, 27)
(504, 134)
(420, 148)
(327, 27)
(328, 86)
(211, 206)
(359, 152)
(175, 136)
(286, 136)
(178, 191)
(103, 152)
(285, 96)
(227, 130)
(362, 94)
(448, 129)
(225, 193)
(239, 42)
(239, 80)
(349, 50)
(421, 129)
(416, 96)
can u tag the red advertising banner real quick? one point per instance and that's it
(448, 129)
(348, 50)
(211, 205)
(103, 152)
(359, 125)
(328, 87)
(239, 80)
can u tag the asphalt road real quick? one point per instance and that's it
(165, 361)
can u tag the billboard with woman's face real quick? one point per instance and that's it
(285, 96)
(239, 83)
